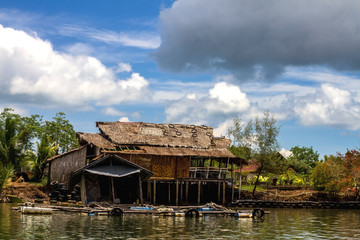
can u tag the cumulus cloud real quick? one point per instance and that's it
(31, 70)
(330, 106)
(124, 119)
(223, 100)
(259, 37)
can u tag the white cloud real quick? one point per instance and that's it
(110, 111)
(123, 67)
(31, 69)
(145, 40)
(329, 106)
(228, 99)
(223, 99)
(124, 119)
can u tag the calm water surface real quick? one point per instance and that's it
(279, 224)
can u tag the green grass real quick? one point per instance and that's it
(251, 187)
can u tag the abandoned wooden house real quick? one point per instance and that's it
(154, 163)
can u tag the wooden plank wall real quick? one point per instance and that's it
(62, 167)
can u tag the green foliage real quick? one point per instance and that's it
(327, 176)
(303, 159)
(18, 135)
(259, 136)
(36, 161)
(6, 172)
(12, 140)
(62, 132)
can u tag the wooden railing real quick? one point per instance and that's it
(208, 173)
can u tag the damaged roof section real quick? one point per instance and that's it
(165, 135)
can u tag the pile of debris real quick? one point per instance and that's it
(61, 193)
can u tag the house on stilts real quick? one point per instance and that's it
(140, 162)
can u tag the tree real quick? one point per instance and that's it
(303, 159)
(62, 132)
(327, 176)
(6, 172)
(11, 142)
(36, 161)
(260, 136)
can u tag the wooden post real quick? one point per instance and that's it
(154, 192)
(232, 183)
(199, 192)
(177, 192)
(83, 190)
(140, 190)
(223, 200)
(148, 190)
(186, 191)
(219, 191)
(181, 191)
(112, 185)
(169, 192)
(240, 184)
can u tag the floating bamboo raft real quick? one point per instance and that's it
(189, 211)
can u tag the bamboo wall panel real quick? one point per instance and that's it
(182, 167)
(163, 166)
(62, 167)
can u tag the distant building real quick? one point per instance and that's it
(159, 163)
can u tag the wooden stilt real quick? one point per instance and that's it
(177, 193)
(181, 192)
(83, 190)
(154, 197)
(148, 195)
(199, 192)
(232, 183)
(187, 192)
(140, 190)
(169, 193)
(223, 200)
(240, 184)
(219, 191)
(112, 189)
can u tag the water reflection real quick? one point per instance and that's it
(280, 224)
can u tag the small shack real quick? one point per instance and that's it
(111, 178)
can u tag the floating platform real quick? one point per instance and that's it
(190, 211)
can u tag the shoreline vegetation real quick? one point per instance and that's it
(26, 143)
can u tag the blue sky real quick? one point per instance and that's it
(188, 61)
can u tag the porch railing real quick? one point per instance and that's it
(208, 172)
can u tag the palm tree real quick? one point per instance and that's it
(11, 142)
(36, 161)
(6, 172)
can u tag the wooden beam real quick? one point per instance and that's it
(186, 191)
(181, 191)
(219, 191)
(154, 198)
(199, 192)
(169, 193)
(177, 192)
(232, 182)
(140, 190)
(148, 194)
(223, 200)
(83, 189)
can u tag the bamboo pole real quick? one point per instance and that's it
(140, 190)
(169, 192)
(83, 190)
(199, 191)
(223, 200)
(219, 191)
(186, 192)
(154, 198)
(177, 192)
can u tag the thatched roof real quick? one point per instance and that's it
(94, 139)
(166, 135)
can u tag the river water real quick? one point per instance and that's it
(279, 224)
